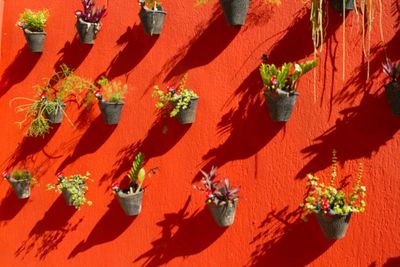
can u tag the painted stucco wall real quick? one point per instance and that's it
(268, 160)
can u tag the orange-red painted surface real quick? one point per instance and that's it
(232, 130)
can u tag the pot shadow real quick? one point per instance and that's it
(10, 206)
(248, 125)
(50, 231)
(110, 226)
(137, 46)
(259, 14)
(19, 69)
(392, 262)
(396, 12)
(182, 235)
(154, 144)
(285, 240)
(72, 54)
(94, 137)
(361, 131)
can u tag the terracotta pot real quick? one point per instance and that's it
(235, 11)
(333, 227)
(111, 111)
(35, 40)
(224, 215)
(280, 104)
(186, 116)
(130, 203)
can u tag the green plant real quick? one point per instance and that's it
(136, 174)
(114, 91)
(33, 21)
(174, 100)
(286, 77)
(217, 192)
(20, 175)
(329, 200)
(151, 4)
(75, 185)
(51, 96)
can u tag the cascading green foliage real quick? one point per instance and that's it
(21, 175)
(33, 21)
(284, 78)
(137, 173)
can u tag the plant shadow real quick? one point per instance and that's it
(50, 231)
(19, 69)
(110, 226)
(286, 241)
(154, 144)
(361, 131)
(94, 137)
(182, 235)
(72, 54)
(10, 206)
(392, 262)
(249, 116)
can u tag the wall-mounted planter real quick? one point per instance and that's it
(393, 96)
(280, 104)
(333, 227)
(111, 111)
(186, 116)
(57, 116)
(130, 203)
(152, 20)
(22, 188)
(235, 11)
(224, 215)
(68, 197)
(35, 40)
(87, 31)
(338, 5)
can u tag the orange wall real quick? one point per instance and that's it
(232, 130)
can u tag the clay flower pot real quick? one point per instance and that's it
(35, 40)
(333, 227)
(235, 11)
(87, 31)
(22, 188)
(111, 111)
(130, 203)
(186, 116)
(224, 215)
(338, 5)
(152, 20)
(68, 197)
(393, 95)
(57, 116)
(280, 104)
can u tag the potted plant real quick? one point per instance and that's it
(88, 21)
(73, 189)
(392, 89)
(49, 105)
(347, 4)
(21, 181)
(221, 199)
(152, 16)
(181, 102)
(331, 205)
(33, 24)
(110, 106)
(280, 87)
(130, 198)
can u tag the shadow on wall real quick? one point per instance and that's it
(94, 137)
(248, 125)
(396, 12)
(259, 14)
(284, 240)
(10, 206)
(392, 262)
(72, 54)
(182, 235)
(50, 231)
(137, 46)
(155, 144)
(113, 223)
(360, 132)
(19, 69)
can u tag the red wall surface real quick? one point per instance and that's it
(269, 160)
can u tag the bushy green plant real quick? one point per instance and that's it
(151, 4)
(20, 175)
(75, 185)
(286, 77)
(136, 174)
(174, 100)
(329, 200)
(113, 92)
(33, 21)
